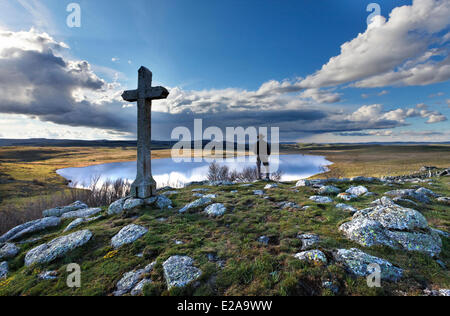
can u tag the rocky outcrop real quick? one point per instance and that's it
(127, 235)
(360, 264)
(179, 271)
(131, 281)
(57, 248)
(216, 210)
(392, 225)
(321, 199)
(4, 269)
(29, 228)
(8, 251)
(316, 256)
(308, 241)
(421, 194)
(59, 211)
(81, 213)
(196, 204)
(80, 221)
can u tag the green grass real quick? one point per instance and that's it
(249, 268)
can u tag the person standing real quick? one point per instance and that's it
(263, 152)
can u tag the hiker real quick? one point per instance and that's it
(263, 151)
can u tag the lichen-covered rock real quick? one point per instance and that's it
(8, 251)
(329, 189)
(312, 255)
(201, 190)
(81, 213)
(271, 186)
(48, 275)
(116, 207)
(392, 225)
(357, 191)
(444, 200)
(130, 280)
(347, 208)
(80, 221)
(303, 183)
(160, 201)
(358, 263)
(196, 204)
(364, 179)
(167, 193)
(418, 194)
(4, 269)
(58, 211)
(258, 192)
(30, 227)
(346, 196)
(308, 241)
(57, 248)
(215, 210)
(286, 205)
(137, 290)
(127, 235)
(264, 240)
(131, 204)
(321, 199)
(179, 271)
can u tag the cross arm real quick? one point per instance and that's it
(154, 93)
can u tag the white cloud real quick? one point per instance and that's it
(115, 59)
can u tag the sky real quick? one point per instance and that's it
(322, 71)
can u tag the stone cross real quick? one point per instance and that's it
(144, 186)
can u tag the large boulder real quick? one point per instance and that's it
(196, 204)
(215, 210)
(392, 225)
(131, 281)
(131, 204)
(329, 189)
(8, 251)
(116, 207)
(160, 201)
(127, 235)
(3, 270)
(316, 256)
(57, 248)
(360, 264)
(357, 191)
(179, 271)
(29, 228)
(85, 213)
(420, 194)
(79, 221)
(58, 211)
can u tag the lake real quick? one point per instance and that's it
(166, 172)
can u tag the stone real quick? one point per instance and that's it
(321, 199)
(303, 183)
(57, 248)
(441, 292)
(329, 189)
(264, 240)
(116, 207)
(202, 190)
(358, 262)
(127, 235)
(137, 290)
(179, 271)
(144, 186)
(409, 193)
(441, 233)
(258, 192)
(160, 201)
(75, 224)
(316, 256)
(331, 286)
(4, 269)
(8, 251)
(363, 179)
(405, 201)
(215, 210)
(308, 241)
(392, 225)
(170, 193)
(286, 205)
(346, 196)
(271, 186)
(58, 211)
(444, 200)
(81, 213)
(424, 191)
(130, 280)
(131, 204)
(347, 208)
(48, 275)
(30, 227)
(196, 204)
(357, 191)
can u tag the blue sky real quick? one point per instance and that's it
(216, 56)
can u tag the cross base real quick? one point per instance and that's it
(143, 189)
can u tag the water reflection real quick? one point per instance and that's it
(168, 173)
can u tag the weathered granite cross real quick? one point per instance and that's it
(144, 186)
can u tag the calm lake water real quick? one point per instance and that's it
(166, 172)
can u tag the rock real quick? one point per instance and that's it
(330, 286)
(363, 179)
(409, 193)
(441, 233)
(246, 185)
(160, 201)
(444, 200)
(321, 199)
(357, 191)
(8, 251)
(74, 224)
(346, 196)
(3, 270)
(116, 207)
(347, 208)
(179, 271)
(58, 211)
(392, 225)
(131, 204)
(427, 192)
(357, 263)
(444, 173)
(303, 183)
(201, 190)
(308, 241)
(127, 235)
(131, 279)
(426, 168)
(30, 227)
(170, 193)
(312, 255)
(57, 248)
(442, 292)
(264, 240)
(258, 192)
(407, 201)
(369, 194)
(137, 290)
(215, 210)
(271, 186)
(329, 189)
(196, 204)
(48, 275)
(81, 213)
(198, 195)
(286, 205)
